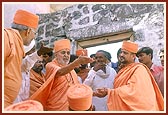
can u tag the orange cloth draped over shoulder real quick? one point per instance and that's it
(28, 105)
(36, 81)
(53, 93)
(135, 90)
(13, 54)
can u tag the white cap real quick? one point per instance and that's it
(30, 46)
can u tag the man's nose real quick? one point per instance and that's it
(121, 54)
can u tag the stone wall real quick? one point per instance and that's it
(85, 21)
(9, 10)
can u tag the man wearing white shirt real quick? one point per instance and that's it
(101, 75)
(28, 61)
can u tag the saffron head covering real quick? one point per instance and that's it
(81, 52)
(28, 105)
(62, 44)
(80, 97)
(130, 46)
(26, 18)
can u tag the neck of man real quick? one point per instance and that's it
(149, 64)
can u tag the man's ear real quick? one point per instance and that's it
(150, 55)
(27, 32)
(134, 56)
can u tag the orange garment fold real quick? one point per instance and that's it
(135, 90)
(28, 105)
(13, 54)
(53, 93)
(36, 81)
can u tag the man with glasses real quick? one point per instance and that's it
(22, 33)
(60, 75)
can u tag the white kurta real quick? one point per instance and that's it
(27, 64)
(100, 79)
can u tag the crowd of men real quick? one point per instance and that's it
(48, 79)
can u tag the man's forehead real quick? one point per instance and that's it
(142, 53)
(64, 50)
(123, 50)
(100, 54)
(161, 54)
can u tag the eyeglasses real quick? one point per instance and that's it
(34, 31)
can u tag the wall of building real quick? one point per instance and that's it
(88, 21)
(9, 10)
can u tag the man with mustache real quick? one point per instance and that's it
(135, 88)
(60, 75)
(101, 75)
(38, 71)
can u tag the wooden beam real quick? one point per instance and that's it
(105, 40)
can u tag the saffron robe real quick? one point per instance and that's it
(13, 55)
(53, 93)
(135, 89)
(36, 81)
(27, 105)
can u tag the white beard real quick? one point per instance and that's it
(62, 62)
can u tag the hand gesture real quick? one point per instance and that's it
(101, 92)
(85, 60)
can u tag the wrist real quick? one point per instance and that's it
(106, 91)
(76, 63)
(94, 94)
